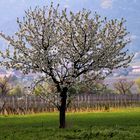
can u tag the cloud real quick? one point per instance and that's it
(106, 4)
(133, 37)
(66, 6)
(137, 55)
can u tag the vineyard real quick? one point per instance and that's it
(83, 102)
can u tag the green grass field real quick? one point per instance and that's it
(113, 125)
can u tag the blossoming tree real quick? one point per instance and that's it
(66, 47)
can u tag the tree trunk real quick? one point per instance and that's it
(62, 110)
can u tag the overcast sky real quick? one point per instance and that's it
(128, 9)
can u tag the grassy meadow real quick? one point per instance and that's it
(122, 124)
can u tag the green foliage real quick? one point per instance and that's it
(73, 91)
(93, 87)
(17, 90)
(38, 90)
(44, 88)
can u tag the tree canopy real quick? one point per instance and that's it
(66, 47)
(123, 86)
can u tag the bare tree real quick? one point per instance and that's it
(123, 86)
(66, 47)
(5, 88)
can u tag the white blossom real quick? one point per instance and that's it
(66, 46)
